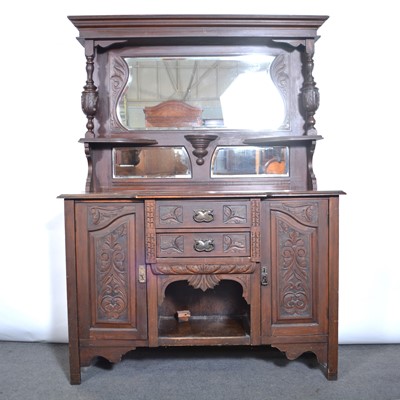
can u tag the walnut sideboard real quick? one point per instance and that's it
(201, 223)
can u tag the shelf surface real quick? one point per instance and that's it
(204, 327)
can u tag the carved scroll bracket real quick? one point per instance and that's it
(90, 94)
(88, 155)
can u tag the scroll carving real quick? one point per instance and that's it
(311, 178)
(280, 77)
(90, 168)
(118, 78)
(295, 283)
(112, 275)
(305, 213)
(100, 216)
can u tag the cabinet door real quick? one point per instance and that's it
(295, 257)
(110, 270)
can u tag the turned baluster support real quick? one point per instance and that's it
(309, 92)
(90, 94)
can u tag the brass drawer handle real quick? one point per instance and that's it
(204, 245)
(203, 215)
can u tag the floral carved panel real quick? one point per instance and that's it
(294, 274)
(112, 274)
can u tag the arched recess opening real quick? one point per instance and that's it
(220, 312)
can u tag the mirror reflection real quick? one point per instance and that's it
(151, 162)
(250, 161)
(201, 92)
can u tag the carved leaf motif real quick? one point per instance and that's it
(112, 275)
(295, 279)
(185, 269)
(171, 244)
(307, 213)
(235, 214)
(204, 282)
(234, 243)
(171, 214)
(100, 216)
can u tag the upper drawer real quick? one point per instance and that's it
(202, 213)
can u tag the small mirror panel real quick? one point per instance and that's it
(237, 92)
(247, 161)
(151, 162)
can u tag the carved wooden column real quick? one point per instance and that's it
(89, 95)
(309, 92)
(89, 100)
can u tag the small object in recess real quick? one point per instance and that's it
(183, 315)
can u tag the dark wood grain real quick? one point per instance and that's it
(237, 260)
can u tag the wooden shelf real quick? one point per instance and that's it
(284, 140)
(204, 327)
(119, 141)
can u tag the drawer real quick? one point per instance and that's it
(192, 214)
(204, 244)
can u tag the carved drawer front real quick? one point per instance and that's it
(205, 244)
(189, 214)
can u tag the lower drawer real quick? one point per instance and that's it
(204, 244)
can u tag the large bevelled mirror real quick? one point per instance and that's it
(235, 92)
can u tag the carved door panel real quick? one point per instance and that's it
(111, 270)
(296, 259)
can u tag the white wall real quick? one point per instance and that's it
(356, 71)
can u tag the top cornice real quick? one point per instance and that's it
(106, 27)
